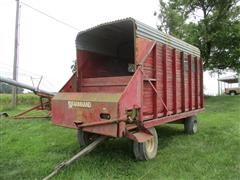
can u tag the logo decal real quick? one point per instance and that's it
(83, 104)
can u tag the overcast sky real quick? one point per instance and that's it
(47, 47)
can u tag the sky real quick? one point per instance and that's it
(47, 48)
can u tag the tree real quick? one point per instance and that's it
(7, 89)
(74, 66)
(216, 33)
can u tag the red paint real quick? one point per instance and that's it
(155, 82)
(201, 83)
(165, 76)
(182, 82)
(197, 73)
(174, 70)
(71, 84)
(190, 81)
(166, 86)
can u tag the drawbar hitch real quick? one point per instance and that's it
(83, 152)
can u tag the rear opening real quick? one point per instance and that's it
(105, 57)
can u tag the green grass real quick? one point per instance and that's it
(27, 99)
(30, 149)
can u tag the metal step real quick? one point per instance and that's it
(140, 136)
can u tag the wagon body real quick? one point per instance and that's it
(129, 77)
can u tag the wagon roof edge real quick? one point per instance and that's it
(146, 31)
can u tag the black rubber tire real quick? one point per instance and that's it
(232, 93)
(141, 150)
(136, 151)
(190, 125)
(85, 138)
(3, 114)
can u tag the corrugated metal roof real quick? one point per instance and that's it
(229, 79)
(143, 30)
(106, 38)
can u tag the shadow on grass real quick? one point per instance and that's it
(166, 134)
(122, 148)
(117, 152)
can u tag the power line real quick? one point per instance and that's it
(27, 78)
(7, 66)
(22, 72)
(49, 16)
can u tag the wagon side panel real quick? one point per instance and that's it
(174, 74)
(169, 79)
(159, 78)
(178, 81)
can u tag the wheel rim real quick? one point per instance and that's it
(150, 145)
(195, 127)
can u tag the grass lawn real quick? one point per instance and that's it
(30, 149)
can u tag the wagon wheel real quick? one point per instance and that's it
(85, 138)
(190, 125)
(146, 150)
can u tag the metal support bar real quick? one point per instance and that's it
(163, 120)
(20, 115)
(155, 91)
(32, 117)
(148, 52)
(81, 125)
(25, 86)
(155, 99)
(83, 152)
(165, 76)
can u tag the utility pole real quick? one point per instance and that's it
(16, 50)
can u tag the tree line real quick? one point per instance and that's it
(211, 25)
(7, 89)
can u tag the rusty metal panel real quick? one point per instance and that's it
(179, 81)
(95, 65)
(131, 96)
(190, 72)
(142, 45)
(140, 136)
(167, 119)
(165, 76)
(169, 79)
(104, 84)
(105, 129)
(71, 84)
(174, 70)
(201, 83)
(175, 74)
(92, 97)
(147, 98)
(84, 107)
